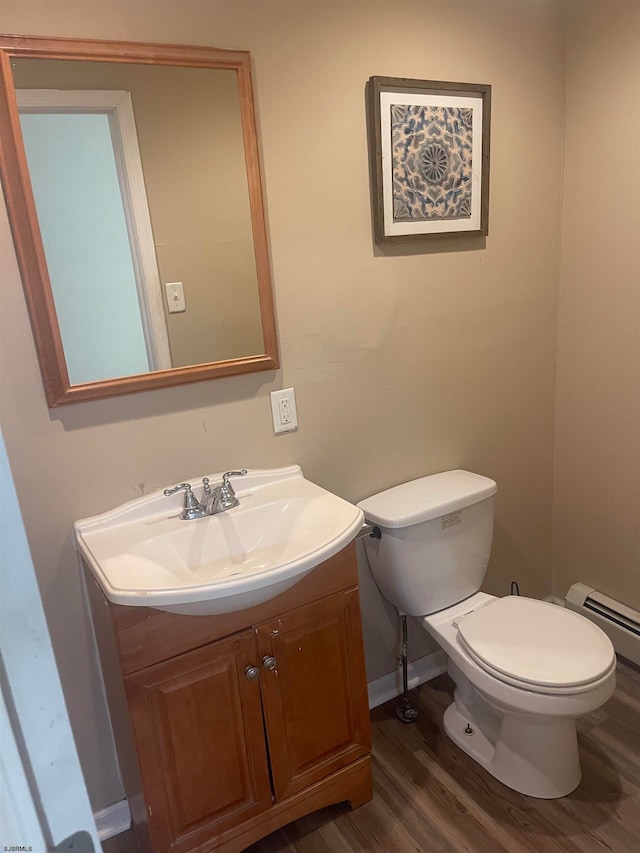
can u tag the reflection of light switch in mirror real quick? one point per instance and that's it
(175, 297)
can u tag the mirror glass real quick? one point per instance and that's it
(142, 190)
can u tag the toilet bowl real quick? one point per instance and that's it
(524, 670)
(517, 718)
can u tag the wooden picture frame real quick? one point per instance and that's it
(25, 226)
(429, 144)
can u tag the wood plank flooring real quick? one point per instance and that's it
(431, 798)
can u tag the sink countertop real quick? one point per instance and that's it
(143, 554)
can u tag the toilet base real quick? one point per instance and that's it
(537, 758)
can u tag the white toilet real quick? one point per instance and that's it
(524, 670)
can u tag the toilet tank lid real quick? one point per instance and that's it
(427, 498)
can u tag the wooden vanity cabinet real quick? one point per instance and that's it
(312, 698)
(245, 721)
(198, 729)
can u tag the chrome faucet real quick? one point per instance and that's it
(191, 508)
(228, 497)
(210, 498)
(214, 500)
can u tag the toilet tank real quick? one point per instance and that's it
(435, 542)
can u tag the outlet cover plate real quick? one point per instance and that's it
(283, 410)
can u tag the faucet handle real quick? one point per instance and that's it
(178, 488)
(228, 497)
(191, 508)
(225, 478)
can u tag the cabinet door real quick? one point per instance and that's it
(200, 739)
(315, 699)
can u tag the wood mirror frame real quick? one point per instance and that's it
(26, 231)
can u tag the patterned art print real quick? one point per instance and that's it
(431, 149)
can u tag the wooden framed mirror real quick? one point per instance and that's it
(132, 180)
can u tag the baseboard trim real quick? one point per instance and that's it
(389, 686)
(112, 820)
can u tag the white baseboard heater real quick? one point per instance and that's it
(619, 622)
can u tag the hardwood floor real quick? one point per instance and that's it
(431, 798)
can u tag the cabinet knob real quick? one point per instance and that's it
(269, 662)
(252, 672)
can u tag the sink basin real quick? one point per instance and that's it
(143, 554)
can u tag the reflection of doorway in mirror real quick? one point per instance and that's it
(88, 186)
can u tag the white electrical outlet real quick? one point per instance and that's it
(283, 410)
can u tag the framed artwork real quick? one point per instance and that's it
(429, 144)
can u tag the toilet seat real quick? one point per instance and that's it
(536, 645)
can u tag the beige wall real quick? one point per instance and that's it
(597, 451)
(405, 360)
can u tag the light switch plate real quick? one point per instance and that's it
(283, 410)
(175, 297)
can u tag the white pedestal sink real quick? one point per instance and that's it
(143, 554)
